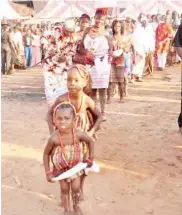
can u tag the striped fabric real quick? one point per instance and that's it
(61, 163)
(117, 74)
(100, 79)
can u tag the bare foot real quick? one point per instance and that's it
(121, 101)
(78, 210)
(139, 80)
(61, 204)
(108, 101)
(104, 117)
(132, 81)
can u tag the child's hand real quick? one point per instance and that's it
(91, 134)
(49, 177)
(89, 162)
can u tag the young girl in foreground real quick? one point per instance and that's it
(89, 117)
(65, 149)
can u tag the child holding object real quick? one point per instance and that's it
(88, 117)
(65, 149)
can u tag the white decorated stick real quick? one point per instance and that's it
(75, 169)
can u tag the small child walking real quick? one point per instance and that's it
(65, 149)
(88, 117)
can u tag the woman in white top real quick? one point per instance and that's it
(97, 43)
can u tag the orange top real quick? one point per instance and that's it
(163, 34)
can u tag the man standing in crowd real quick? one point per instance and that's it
(28, 48)
(6, 44)
(149, 39)
(178, 45)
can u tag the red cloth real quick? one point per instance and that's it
(163, 34)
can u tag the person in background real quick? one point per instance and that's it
(58, 58)
(6, 55)
(134, 23)
(129, 25)
(163, 17)
(175, 20)
(156, 22)
(121, 42)
(18, 23)
(25, 28)
(38, 26)
(36, 53)
(97, 43)
(163, 34)
(84, 24)
(18, 39)
(108, 30)
(33, 28)
(168, 13)
(178, 44)
(57, 32)
(149, 36)
(44, 41)
(140, 17)
(49, 28)
(43, 25)
(14, 49)
(28, 48)
(139, 42)
(153, 17)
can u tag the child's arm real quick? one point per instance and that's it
(50, 113)
(95, 111)
(82, 136)
(46, 158)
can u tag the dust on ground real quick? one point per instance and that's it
(139, 150)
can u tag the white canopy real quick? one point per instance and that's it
(152, 7)
(7, 12)
(64, 9)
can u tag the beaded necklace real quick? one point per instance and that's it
(70, 164)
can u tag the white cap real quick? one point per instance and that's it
(70, 25)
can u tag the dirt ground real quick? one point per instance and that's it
(139, 150)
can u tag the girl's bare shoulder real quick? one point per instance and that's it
(62, 98)
(79, 134)
(54, 138)
(88, 101)
(86, 97)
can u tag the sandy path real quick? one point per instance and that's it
(139, 150)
